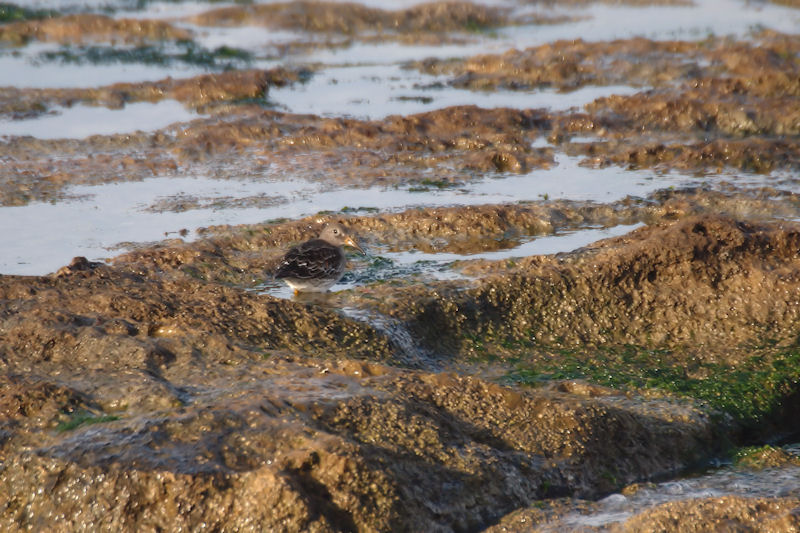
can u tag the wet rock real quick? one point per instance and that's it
(752, 155)
(696, 514)
(714, 68)
(76, 265)
(85, 27)
(696, 110)
(569, 65)
(102, 317)
(194, 92)
(30, 403)
(352, 18)
(167, 401)
(760, 457)
(457, 143)
(660, 286)
(722, 89)
(714, 514)
(332, 445)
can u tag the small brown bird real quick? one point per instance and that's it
(316, 265)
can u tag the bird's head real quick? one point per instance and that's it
(338, 235)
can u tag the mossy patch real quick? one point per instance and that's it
(427, 184)
(82, 418)
(185, 52)
(15, 13)
(753, 391)
(766, 456)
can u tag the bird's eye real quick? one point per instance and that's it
(335, 231)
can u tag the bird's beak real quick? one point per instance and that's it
(351, 242)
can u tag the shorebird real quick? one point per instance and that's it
(317, 264)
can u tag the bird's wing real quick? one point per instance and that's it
(311, 260)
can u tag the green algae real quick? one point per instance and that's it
(766, 456)
(427, 184)
(347, 209)
(182, 52)
(83, 418)
(754, 392)
(15, 13)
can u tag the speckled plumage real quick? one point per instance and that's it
(317, 264)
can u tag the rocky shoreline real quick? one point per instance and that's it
(169, 389)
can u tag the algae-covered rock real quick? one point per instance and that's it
(328, 445)
(352, 18)
(89, 27)
(707, 281)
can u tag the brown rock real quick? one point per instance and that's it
(709, 281)
(728, 513)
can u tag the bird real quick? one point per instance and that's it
(315, 265)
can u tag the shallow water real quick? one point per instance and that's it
(725, 481)
(362, 80)
(97, 221)
(30, 71)
(375, 91)
(565, 241)
(691, 22)
(82, 121)
(93, 219)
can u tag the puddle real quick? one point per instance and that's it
(560, 242)
(160, 10)
(373, 92)
(82, 121)
(98, 217)
(254, 38)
